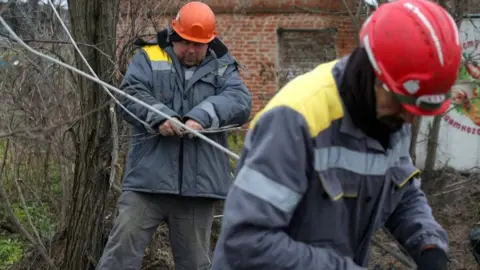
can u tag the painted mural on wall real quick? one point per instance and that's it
(459, 137)
(466, 93)
(465, 97)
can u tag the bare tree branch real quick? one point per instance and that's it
(29, 131)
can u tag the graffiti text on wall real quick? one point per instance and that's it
(470, 44)
(470, 129)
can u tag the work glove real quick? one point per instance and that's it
(432, 259)
(475, 243)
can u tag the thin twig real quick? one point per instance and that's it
(354, 19)
(448, 191)
(63, 43)
(27, 214)
(74, 43)
(458, 183)
(31, 191)
(402, 248)
(116, 188)
(50, 128)
(115, 147)
(397, 256)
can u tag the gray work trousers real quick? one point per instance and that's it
(189, 221)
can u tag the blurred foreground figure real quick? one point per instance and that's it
(475, 244)
(326, 163)
(189, 74)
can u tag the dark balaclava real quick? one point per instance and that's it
(358, 94)
(173, 36)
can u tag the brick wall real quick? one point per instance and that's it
(251, 33)
(299, 51)
(254, 41)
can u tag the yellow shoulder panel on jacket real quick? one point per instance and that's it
(155, 53)
(314, 95)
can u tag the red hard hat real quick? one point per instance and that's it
(195, 22)
(414, 48)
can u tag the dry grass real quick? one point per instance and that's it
(458, 211)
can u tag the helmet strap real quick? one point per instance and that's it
(428, 102)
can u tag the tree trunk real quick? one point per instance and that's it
(431, 157)
(413, 143)
(92, 22)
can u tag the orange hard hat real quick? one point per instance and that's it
(195, 22)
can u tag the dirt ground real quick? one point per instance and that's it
(457, 208)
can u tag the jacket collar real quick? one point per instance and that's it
(347, 126)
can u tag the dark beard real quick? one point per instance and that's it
(392, 122)
(357, 90)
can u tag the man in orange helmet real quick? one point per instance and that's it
(326, 163)
(187, 73)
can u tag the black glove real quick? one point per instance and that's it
(475, 243)
(432, 259)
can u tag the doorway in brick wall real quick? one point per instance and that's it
(301, 50)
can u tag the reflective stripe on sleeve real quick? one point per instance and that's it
(266, 189)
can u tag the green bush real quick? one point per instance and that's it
(56, 181)
(11, 251)
(42, 218)
(11, 248)
(235, 144)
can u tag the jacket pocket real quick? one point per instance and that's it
(339, 194)
(215, 81)
(339, 187)
(212, 167)
(209, 85)
(399, 176)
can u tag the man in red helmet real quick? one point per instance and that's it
(326, 162)
(189, 74)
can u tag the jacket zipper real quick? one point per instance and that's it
(180, 167)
